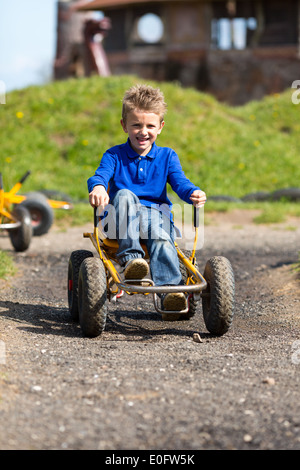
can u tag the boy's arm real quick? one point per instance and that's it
(98, 197)
(98, 183)
(198, 198)
(185, 189)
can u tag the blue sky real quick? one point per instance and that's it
(27, 41)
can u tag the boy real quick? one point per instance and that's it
(139, 208)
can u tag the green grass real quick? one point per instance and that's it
(7, 267)
(270, 212)
(82, 213)
(60, 131)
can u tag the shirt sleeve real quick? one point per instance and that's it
(178, 181)
(104, 172)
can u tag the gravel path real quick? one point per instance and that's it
(145, 384)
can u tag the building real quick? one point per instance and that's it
(236, 50)
(79, 49)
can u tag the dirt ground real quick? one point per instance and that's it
(144, 383)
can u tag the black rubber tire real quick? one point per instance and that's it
(191, 301)
(20, 237)
(224, 198)
(258, 196)
(290, 194)
(218, 297)
(41, 212)
(92, 296)
(75, 261)
(56, 195)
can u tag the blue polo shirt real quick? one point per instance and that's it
(147, 177)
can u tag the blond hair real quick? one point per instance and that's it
(145, 98)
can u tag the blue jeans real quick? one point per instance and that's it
(132, 223)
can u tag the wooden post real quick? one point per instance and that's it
(260, 23)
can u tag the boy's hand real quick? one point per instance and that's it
(98, 197)
(198, 198)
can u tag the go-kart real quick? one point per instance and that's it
(24, 216)
(96, 278)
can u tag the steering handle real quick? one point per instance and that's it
(196, 217)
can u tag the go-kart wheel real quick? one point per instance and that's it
(218, 297)
(41, 212)
(92, 296)
(20, 237)
(75, 261)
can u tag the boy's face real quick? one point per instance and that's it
(142, 128)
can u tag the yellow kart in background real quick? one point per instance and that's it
(24, 216)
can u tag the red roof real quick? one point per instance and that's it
(100, 4)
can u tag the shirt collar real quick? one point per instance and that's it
(133, 154)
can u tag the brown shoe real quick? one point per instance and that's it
(174, 301)
(136, 268)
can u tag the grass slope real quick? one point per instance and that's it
(60, 131)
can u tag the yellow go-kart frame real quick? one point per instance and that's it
(26, 215)
(16, 221)
(12, 197)
(92, 280)
(107, 249)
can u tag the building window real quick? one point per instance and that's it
(150, 28)
(232, 33)
(241, 24)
